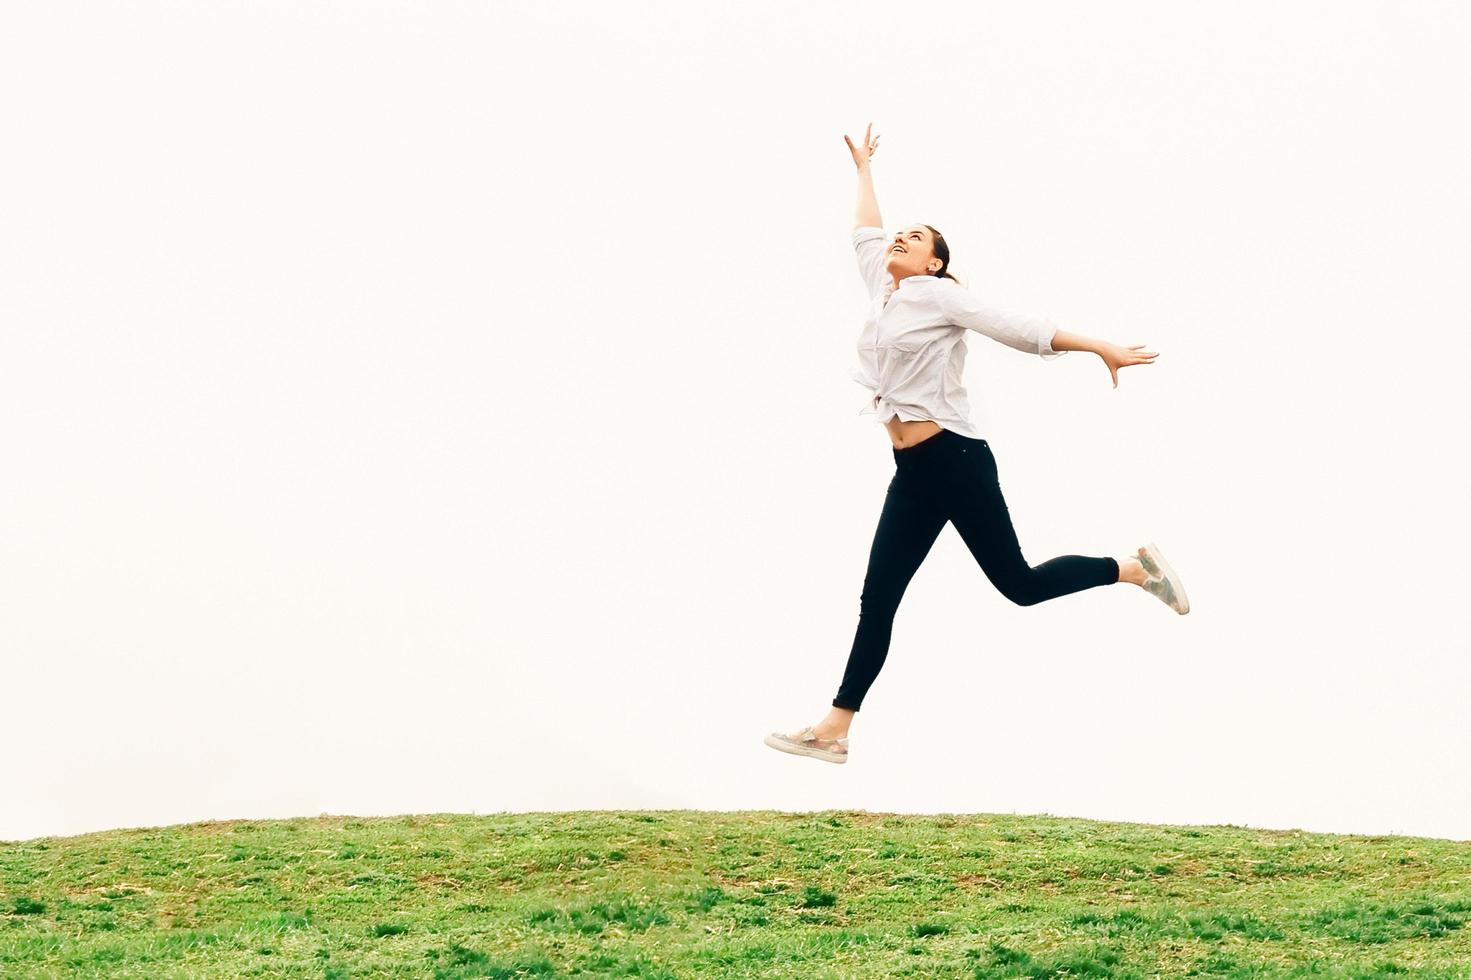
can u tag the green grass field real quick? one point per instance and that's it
(751, 894)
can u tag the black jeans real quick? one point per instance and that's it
(948, 477)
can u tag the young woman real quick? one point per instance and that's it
(912, 351)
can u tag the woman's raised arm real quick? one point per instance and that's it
(867, 215)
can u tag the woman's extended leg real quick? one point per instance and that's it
(907, 528)
(979, 512)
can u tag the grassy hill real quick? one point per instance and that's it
(751, 894)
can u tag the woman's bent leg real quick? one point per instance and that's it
(980, 515)
(907, 528)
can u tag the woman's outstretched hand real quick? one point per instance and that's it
(1116, 357)
(861, 155)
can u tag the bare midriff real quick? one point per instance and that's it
(905, 434)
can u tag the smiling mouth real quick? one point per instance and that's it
(896, 248)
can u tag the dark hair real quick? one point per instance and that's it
(942, 252)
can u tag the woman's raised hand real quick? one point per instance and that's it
(1116, 357)
(861, 155)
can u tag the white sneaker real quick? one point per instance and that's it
(808, 744)
(1162, 582)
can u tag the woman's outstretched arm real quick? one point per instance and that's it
(867, 215)
(1031, 334)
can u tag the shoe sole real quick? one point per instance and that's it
(792, 749)
(1170, 576)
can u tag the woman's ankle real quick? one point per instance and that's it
(835, 725)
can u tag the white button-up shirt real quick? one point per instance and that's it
(911, 353)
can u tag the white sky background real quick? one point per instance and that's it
(446, 408)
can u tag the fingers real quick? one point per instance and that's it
(870, 146)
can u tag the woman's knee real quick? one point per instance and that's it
(879, 602)
(1019, 587)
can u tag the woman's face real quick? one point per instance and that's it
(911, 252)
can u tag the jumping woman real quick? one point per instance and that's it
(911, 353)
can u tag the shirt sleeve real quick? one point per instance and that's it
(868, 243)
(1029, 334)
